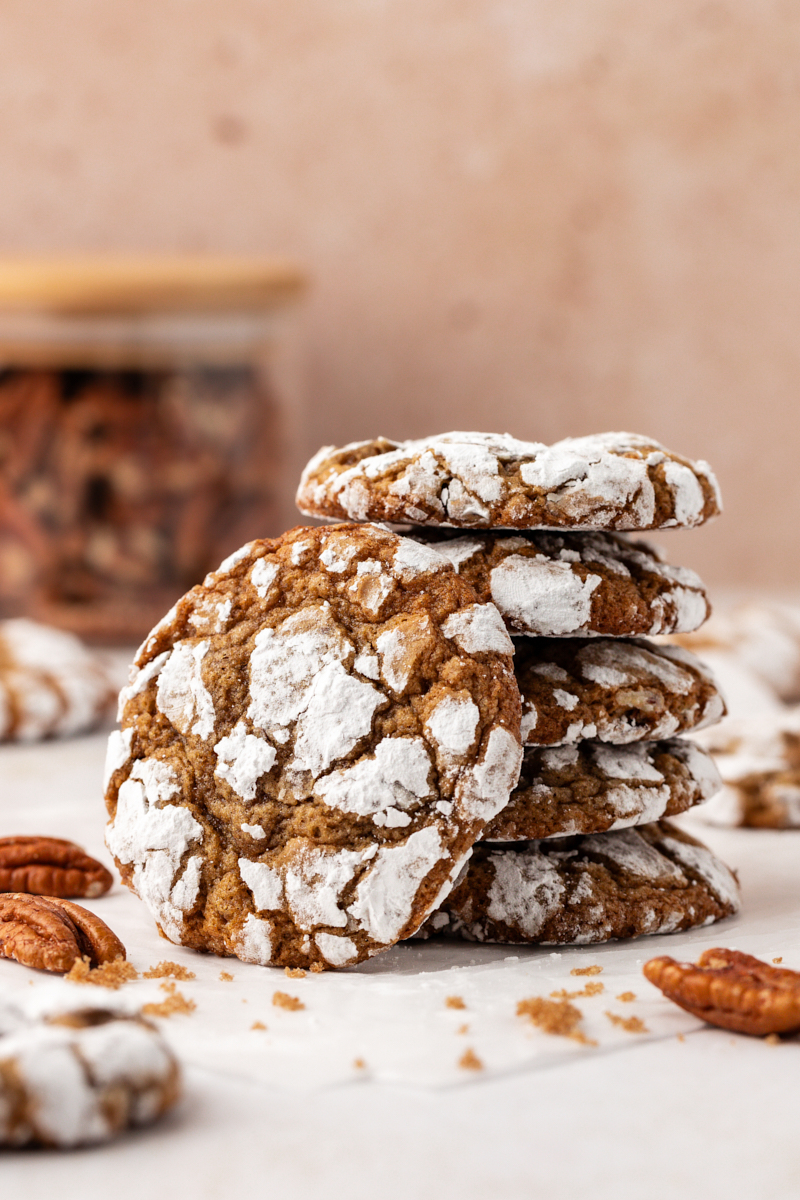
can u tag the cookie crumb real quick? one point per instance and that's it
(359, 1064)
(626, 997)
(681, 1038)
(558, 1017)
(591, 989)
(316, 968)
(469, 1061)
(772, 1039)
(175, 1003)
(629, 1024)
(226, 977)
(258, 1025)
(110, 975)
(778, 960)
(595, 970)
(168, 970)
(295, 972)
(463, 1029)
(284, 1000)
(454, 1002)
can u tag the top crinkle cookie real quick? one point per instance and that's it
(311, 742)
(480, 480)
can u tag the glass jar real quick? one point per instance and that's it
(149, 425)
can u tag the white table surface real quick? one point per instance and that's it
(712, 1115)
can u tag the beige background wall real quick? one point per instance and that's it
(550, 216)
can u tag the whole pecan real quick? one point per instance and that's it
(732, 990)
(48, 866)
(52, 934)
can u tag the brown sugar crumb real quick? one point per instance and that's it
(295, 972)
(778, 960)
(316, 968)
(454, 1002)
(469, 1061)
(284, 1000)
(359, 1064)
(681, 1038)
(626, 997)
(169, 970)
(554, 1016)
(174, 1004)
(591, 989)
(463, 1029)
(111, 974)
(226, 977)
(629, 1024)
(772, 1039)
(595, 970)
(258, 1025)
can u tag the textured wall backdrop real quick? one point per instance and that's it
(543, 216)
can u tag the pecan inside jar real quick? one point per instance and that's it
(732, 990)
(47, 866)
(53, 934)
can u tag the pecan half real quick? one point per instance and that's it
(51, 934)
(732, 990)
(47, 866)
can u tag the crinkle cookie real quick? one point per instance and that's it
(490, 481)
(587, 584)
(653, 879)
(759, 761)
(81, 1076)
(311, 742)
(593, 787)
(50, 684)
(617, 691)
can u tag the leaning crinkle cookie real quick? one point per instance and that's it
(653, 879)
(592, 787)
(759, 761)
(615, 690)
(589, 584)
(81, 1076)
(311, 742)
(51, 684)
(486, 480)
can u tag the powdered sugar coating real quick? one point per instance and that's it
(654, 879)
(759, 761)
(561, 584)
(364, 727)
(605, 481)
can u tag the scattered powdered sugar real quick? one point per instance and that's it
(254, 942)
(395, 778)
(338, 714)
(243, 759)
(385, 896)
(412, 559)
(117, 753)
(139, 679)
(486, 786)
(338, 554)
(263, 576)
(154, 839)
(336, 949)
(526, 889)
(255, 831)
(264, 882)
(542, 596)
(477, 629)
(315, 881)
(453, 724)
(182, 696)
(230, 562)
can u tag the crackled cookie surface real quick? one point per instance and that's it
(311, 742)
(80, 1076)
(483, 480)
(50, 684)
(759, 761)
(587, 584)
(592, 787)
(617, 691)
(653, 879)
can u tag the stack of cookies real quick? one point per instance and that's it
(581, 853)
(315, 739)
